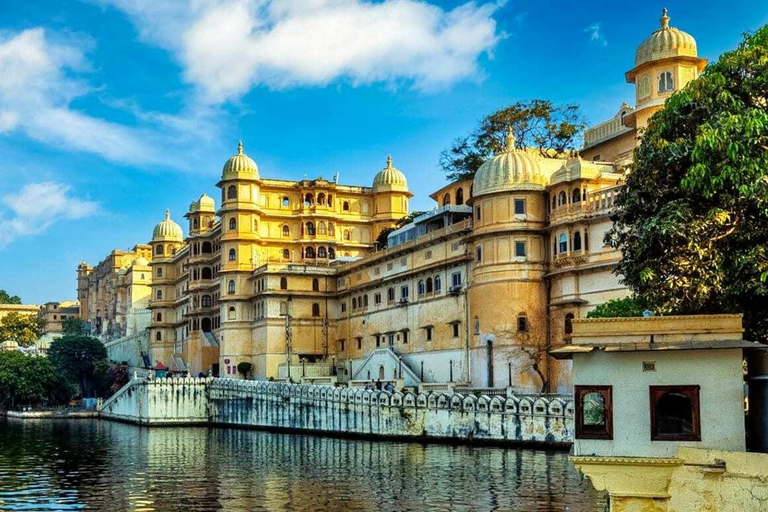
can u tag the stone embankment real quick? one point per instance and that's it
(343, 411)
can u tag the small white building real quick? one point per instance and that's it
(646, 386)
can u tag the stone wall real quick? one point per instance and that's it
(128, 348)
(344, 411)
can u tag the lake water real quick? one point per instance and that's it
(90, 464)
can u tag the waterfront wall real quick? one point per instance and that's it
(128, 348)
(343, 411)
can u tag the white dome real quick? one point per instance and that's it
(507, 171)
(389, 179)
(167, 230)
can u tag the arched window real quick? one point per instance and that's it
(347, 235)
(420, 287)
(446, 199)
(160, 272)
(331, 229)
(309, 252)
(429, 285)
(286, 230)
(438, 283)
(231, 313)
(354, 302)
(232, 223)
(286, 254)
(554, 202)
(645, 87)
(477, 325)
(159, 336)
(320, 198)
(159, 249)
(321, 252)
(321, 228)
(577, 241)
(563, 243)
(576, 195)
(207, 248)
(345, 206)
(311, 228)
(561, 199)
(283, 283)
(460, 196)
(309, 200)
(315, 285)
(569, 323)
(159, 317)
(522, 322)
(331, 253)
(231, 287)
(330, 200)
(195, 223)
(232, 255)
(207, 273)
(286, 202)
(159, 295)
(232, 192)
(665, 82)
(206, 301)
(586, 241)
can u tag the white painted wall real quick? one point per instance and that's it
(721, 398)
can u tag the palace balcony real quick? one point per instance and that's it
(598, 202)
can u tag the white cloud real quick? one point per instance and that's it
(596, 35)
(229, 46)
(37, 206)
(41, 74)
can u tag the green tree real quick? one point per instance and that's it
(692, 220)
(80, 358)
(29, 380)
(23, 329)
(5, 298)
(244, 368)
(538, 124)
(628, 306)
(74, 326)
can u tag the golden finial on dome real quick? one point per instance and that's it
(240, 147)
(664, 19)
(389, 161)
(510, 139)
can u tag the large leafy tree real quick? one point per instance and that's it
(6, 298)
(540, 124)
(692, 220)
(81, 358)
(74, 326)
(29, 380)
(23, 329)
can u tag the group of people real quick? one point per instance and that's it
(379, 386)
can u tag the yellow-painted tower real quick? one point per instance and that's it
(240, 216)
(167, 240)
(391, 195)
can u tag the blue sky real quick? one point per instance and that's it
(113, 110)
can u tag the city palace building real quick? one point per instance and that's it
(286, 275)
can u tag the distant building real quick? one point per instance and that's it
(54, 314)
(286, 273)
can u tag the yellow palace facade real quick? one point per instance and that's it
(285, 275)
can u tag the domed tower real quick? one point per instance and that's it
(240, 217)
(390, 197)
(201, 215)
(664, 63)
(167, 240)
(506, 293)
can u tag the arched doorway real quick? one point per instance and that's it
(205, 325)
(381, 372)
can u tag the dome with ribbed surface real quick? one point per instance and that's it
(167, 230)
(664, 43)
(507, 171)
(204, 204)
(389, 178)
(240, 164)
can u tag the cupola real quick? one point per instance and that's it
(665, 42)
(510, 170)
(240, 165)
(390, 179)
(167, 230)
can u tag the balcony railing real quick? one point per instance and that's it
(598, 202)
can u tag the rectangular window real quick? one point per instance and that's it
(405, 337)
(675, 413)
(428, 255)
(456, 330)
(389, 266)
(404, 262)
(378, 341)
(519, 206)
(341, 345)
(479, 251)
(391, 294)
(520, 249)
(359, 343)
(377, 298)
(456, 279)
(429, 333)
(404, 292)
(594, 412)
(343, 307)
(477, 213)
